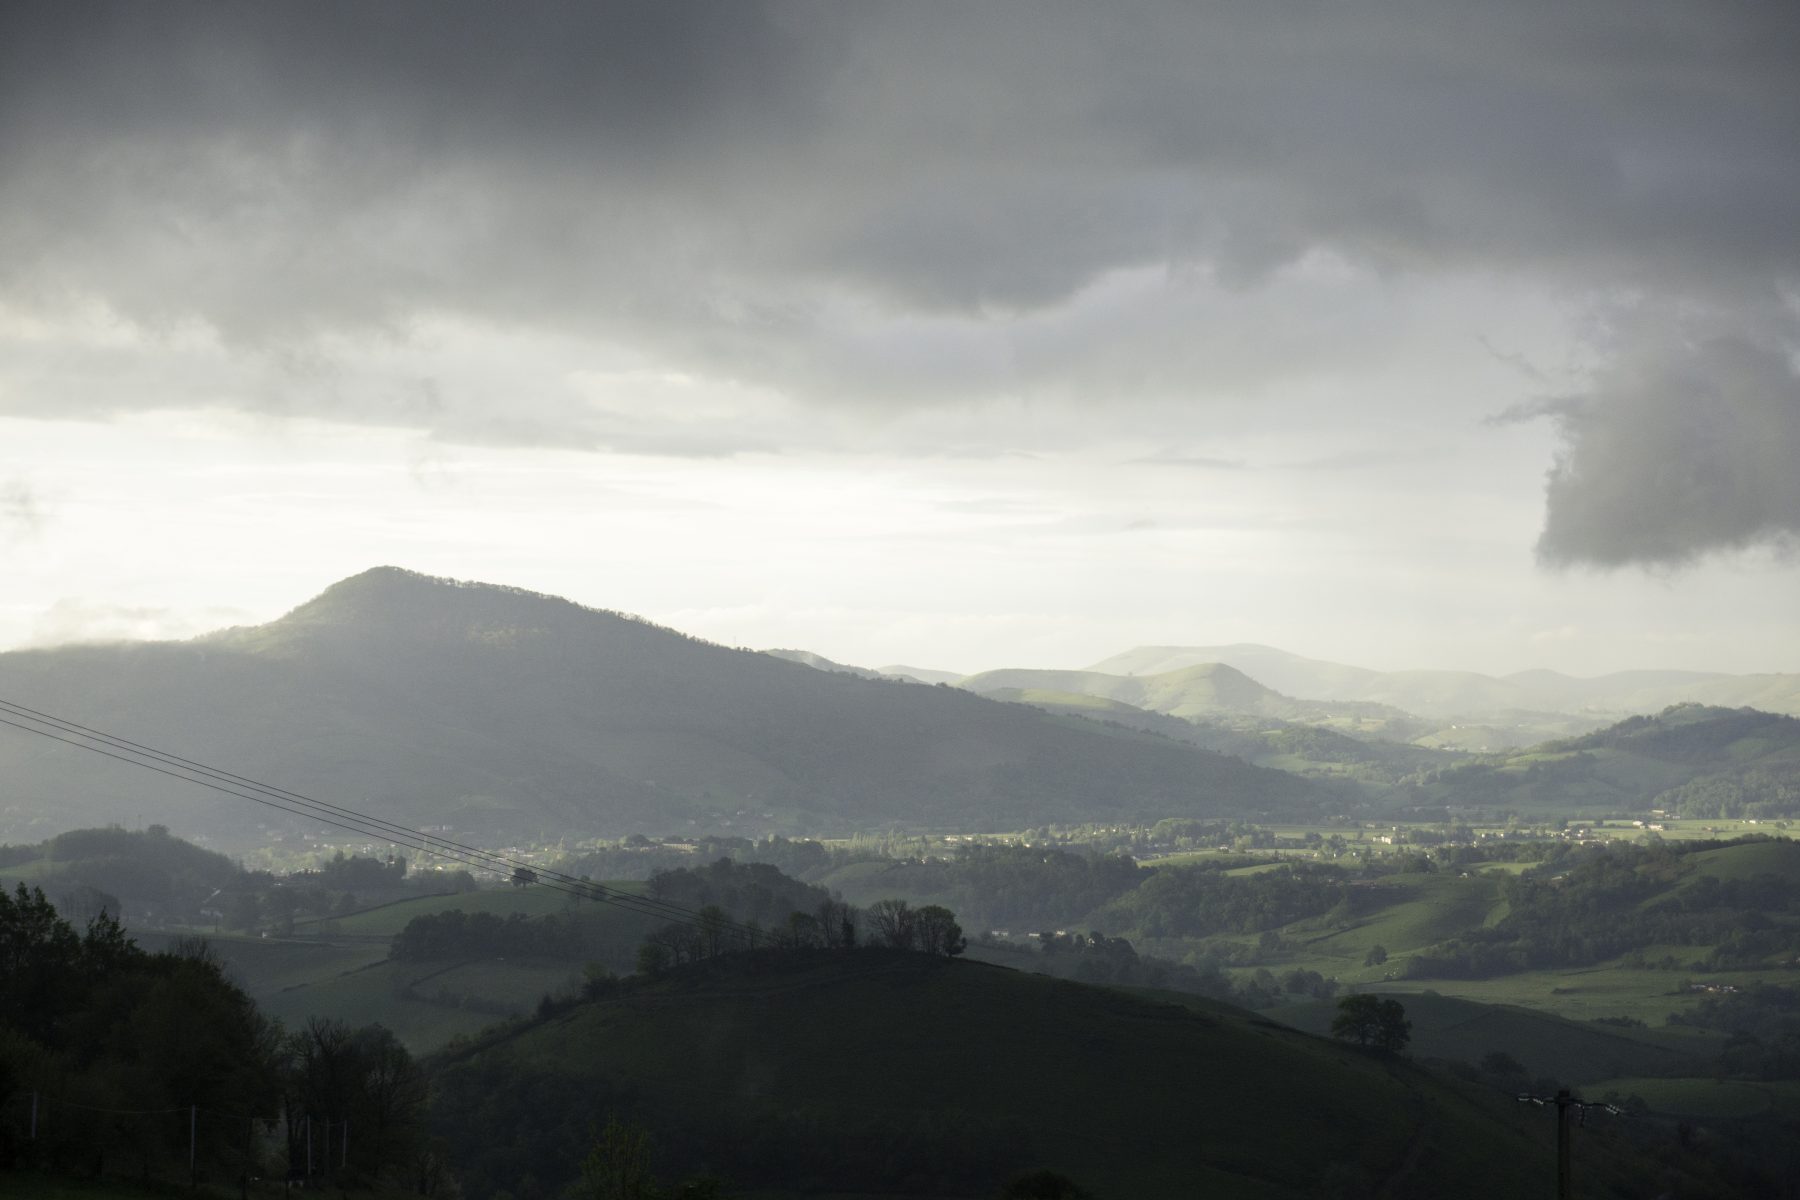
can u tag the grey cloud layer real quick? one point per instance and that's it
(1686, 444)
(895, 204)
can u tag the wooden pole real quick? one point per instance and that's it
(1563, 1103)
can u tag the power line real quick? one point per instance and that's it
(334, 814)
(343, 817)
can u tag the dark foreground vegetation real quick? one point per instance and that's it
(155, 1066)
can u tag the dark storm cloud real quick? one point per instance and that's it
(863, 204)
(1687, 444)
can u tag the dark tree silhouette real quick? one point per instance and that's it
(1369, 1020)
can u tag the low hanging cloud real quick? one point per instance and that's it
(1683, 447)
(22, 514)
(73, 620)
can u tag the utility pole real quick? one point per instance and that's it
(1565, 1101)
(34, 1096)
(1563, 1184)
(193, 1123)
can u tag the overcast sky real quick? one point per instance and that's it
(960, 335)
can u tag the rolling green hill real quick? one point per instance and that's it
(1546, 1045)
(139, 877)
(508, 714)
(932, 1077)
(1690, 759)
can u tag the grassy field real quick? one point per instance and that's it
(1103, 1085)
(339, 967)
(388, 919)
(1706, 1099)
(1743, 862)
(425, 1004)
(1586, 993)
(1578, 1052)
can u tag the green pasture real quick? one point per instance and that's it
(426, 1004)
(1587, 993)
(386, 920)
(264, 966)
(1577, 1052)
(1416, 911)
(1705, 1098)
(1747, 861)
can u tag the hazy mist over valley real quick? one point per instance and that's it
(645, 599)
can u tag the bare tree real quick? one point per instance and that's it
(837, 924)
(936, 931)
(803, 932)
(894, 922)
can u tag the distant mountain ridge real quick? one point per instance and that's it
(1191, 692)
(1443, 693)
(519, 715)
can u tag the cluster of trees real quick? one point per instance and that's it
(638, 857)
(161, 877)
(712, 934)
(930, 930)
(362, 1086)
(356, 873)
(128, 1055)
(1759, 792)
(1098, 959)
(1370, 1020)
(832, 925)
(88, 1022)
(754, 893)
(1762, 1024)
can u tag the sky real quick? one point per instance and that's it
(953, 335)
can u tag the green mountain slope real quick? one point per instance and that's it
(1691, 760)
(1375, 764)
(514, 715)
(923, 1077)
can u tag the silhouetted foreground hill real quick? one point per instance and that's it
(912, 1076)
(515, 714)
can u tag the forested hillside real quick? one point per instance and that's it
(1690, 760)
(511, 714)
